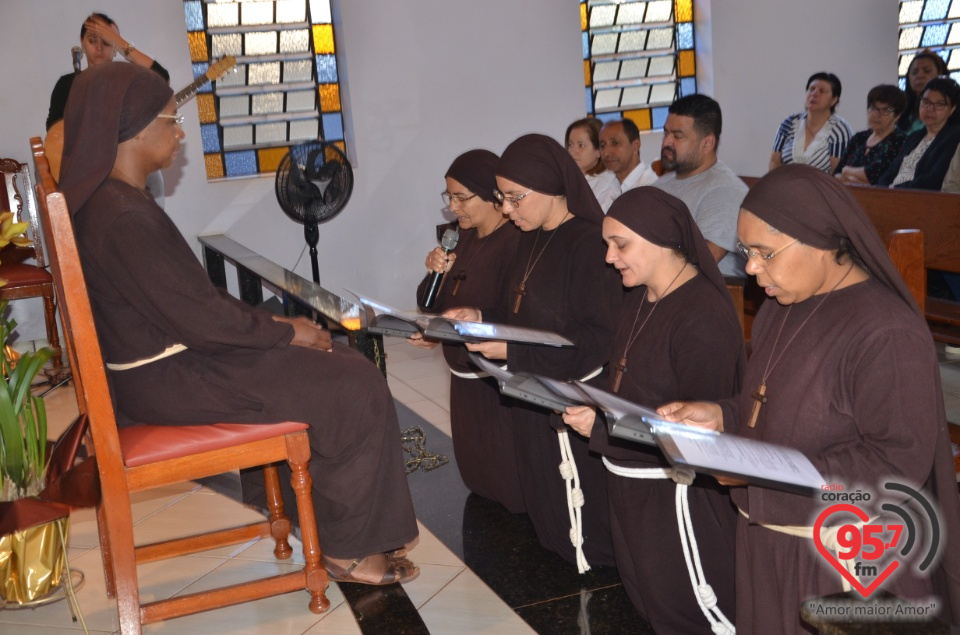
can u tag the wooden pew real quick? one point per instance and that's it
(937, 216)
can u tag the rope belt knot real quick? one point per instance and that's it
(704, 593)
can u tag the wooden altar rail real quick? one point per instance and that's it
(298, 295)
(937, 216)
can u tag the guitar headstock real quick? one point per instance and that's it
(221, 67)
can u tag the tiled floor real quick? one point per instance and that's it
(450, 596)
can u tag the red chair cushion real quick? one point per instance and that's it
(151, 443)
(21, 275)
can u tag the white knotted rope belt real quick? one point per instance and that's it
(828, 537)
(683, 477)
(575, 500)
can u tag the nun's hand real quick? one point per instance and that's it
(439, 261)
(463, 313)
(699, 414)
(307, 333)
(490, 350)
(580, 418)
(417, 340)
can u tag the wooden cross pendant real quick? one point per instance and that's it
(760, 396)
(521, 291)
(460, 277)
(620, 369)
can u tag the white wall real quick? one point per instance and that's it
(428, 79)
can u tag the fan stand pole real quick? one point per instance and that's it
(312, 236)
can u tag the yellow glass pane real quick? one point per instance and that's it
(270, 158)
(639, 117)
(586, 73)
(683, 11)
(342, 145)
(323, 39)
(688, 64)
(214, 164)
(329, 97)
(206, 108)
(583, 16)
(198, 46)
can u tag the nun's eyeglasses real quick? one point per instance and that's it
(178, 118)
(459, 199)
(749, 254)
(513, 200)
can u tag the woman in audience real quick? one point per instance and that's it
(817, 136)
(951, 182)
(871, 152)
(583, 144)
(100, 41)
(677, 337)
(558, 282)
(923, 67)
(180, 351)
(843, 369)
(474, 276)
(926, 154)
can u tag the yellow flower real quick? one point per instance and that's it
(11, 232)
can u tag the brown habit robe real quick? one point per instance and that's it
(148, 291)
(479, 416)
(690, 348)
(857, 391)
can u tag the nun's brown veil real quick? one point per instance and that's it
(109, 104)
(664, 220)
(476, 170)
(816, 209)
(540, 163)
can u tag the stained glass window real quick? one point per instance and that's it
(285, 88)
(929, 24)
(637, 58)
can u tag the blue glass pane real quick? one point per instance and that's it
(610, 116)
(688, 86)
(586, 45)
(589, 92)
(200, 68)
(210, 137)
(685, 36)
(327, 69)
(193, 12)
(659, 117)
(332, 127)
(935, 9)
(935, 35)
(240, 163)
(902, 82)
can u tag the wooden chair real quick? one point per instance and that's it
(28, 280)
(142, 457)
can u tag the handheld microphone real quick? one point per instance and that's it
(447, 243)
(76, 53)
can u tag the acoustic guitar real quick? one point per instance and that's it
(53, 142)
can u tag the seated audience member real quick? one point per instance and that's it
(951, 182)
(923, 67)
(179, 351)
(817, 136)
(710, 190)
(557, 281)
(475, 274)
(926, 154)
(843, 369)
(677, 334)
(583, 143)
(620, 151)
(871, 152)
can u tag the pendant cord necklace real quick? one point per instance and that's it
(760, 394)
(522, 289)
(475, 250)
(621, 366)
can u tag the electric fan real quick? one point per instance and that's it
(314, 182)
